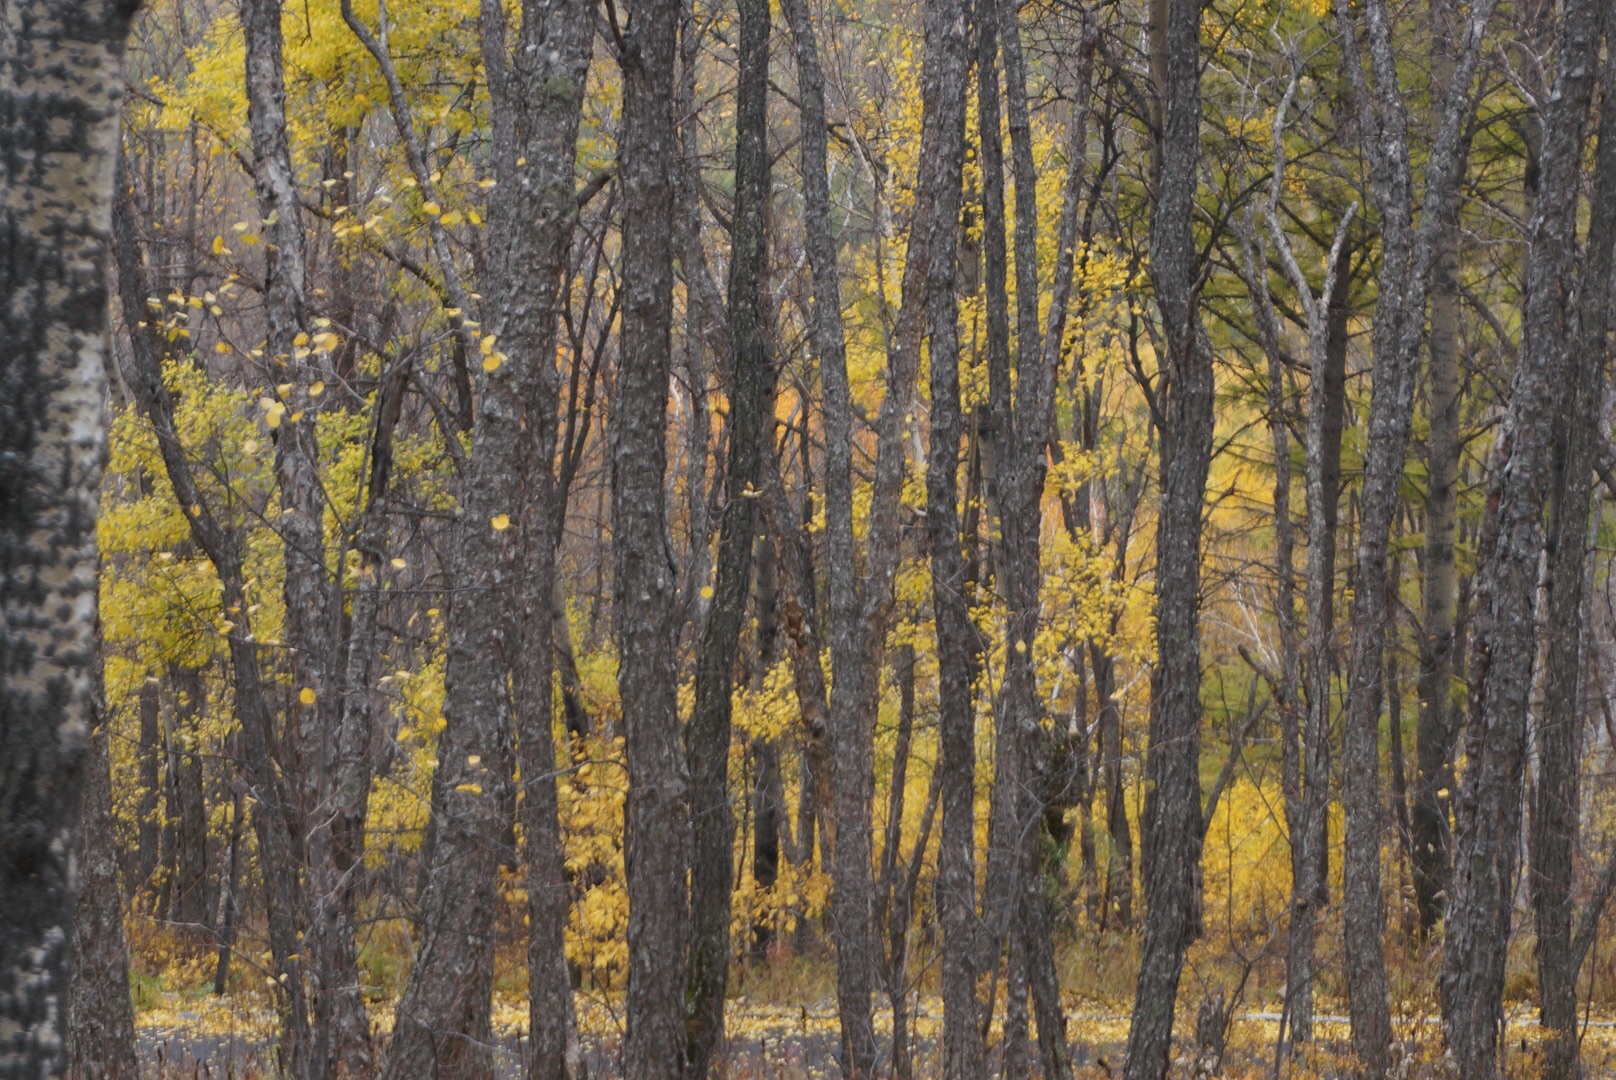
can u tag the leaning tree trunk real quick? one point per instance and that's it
(61, 82)
(1172, 821)
(751, 384)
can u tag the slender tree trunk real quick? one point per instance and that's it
(1405, 273)
(1173, 821)
(1431, 833)
(859, 605)
(149, 847)
(101, 1023)
(187, 808)
(751, 379)
(1556, 809)
(1488, 827)
(657, 843)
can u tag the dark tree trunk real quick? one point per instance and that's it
(1407, 258)
(1556, 809)
(187, 804)
(1431, 832)
(657, 842)
(1172, 820)
(101, 1023)
(751, 379)
(149, 752)
(1488, 815)
(944, 81)
(858, 605)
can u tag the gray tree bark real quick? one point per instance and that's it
(101, 1020)
(1557, 798)
(1172, 824)
(751, 384)
(1504, 648)
(657, 843)
(1407, 258)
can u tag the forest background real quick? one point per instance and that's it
(977, 516)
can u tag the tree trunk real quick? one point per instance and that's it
(1556, 808)
(149, 752)
(1172, 822)
(1399, 325)
(751, 379)
(101, 1022)
(1488, 825)
(187, 805)
(657, 842)
(60, 86)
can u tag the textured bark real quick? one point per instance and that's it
(1556, 818)
(60, 86)
(1172, 820)
(657, 842)
(312, 605)
(751, 381)
(501, 625)
(858, 604)
(101, 1021)
(1431, 833)
(1406, 261)
(1488, 814)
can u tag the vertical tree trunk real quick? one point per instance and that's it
(1488, 826)
(1399, 325)
(1431, 834)
(101, 1022)
(60, 86)
(187, 809)
(1434, 735)
(751, 380)
(1556, 809)
(149, 753)
(657, 843)
(1172, 823)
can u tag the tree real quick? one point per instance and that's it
(1172, 827)
(61, 87)
(657, 844)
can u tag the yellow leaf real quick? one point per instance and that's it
(306, 695)
(500, 522)
(474, 789)
(431, 209)
(487, 344)
(222, 347)
(218, 246)
(492, 361)
(316, 388)
(399, 564)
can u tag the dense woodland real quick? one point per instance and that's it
(961, 516)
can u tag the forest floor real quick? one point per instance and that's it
(216, 1038)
